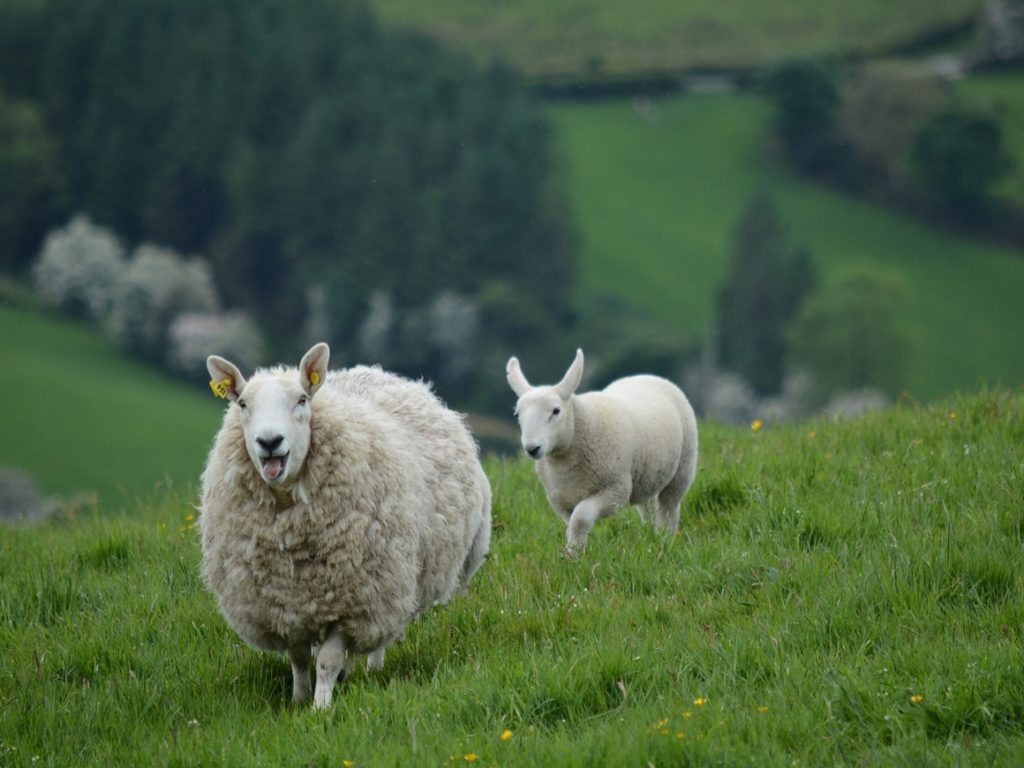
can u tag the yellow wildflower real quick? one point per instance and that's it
(506, 735)
(756, 424)
(812, 434)
(762, 709)
(471, 757)
(916, 698)
(189, 517)
(700, 701)
(348, 763)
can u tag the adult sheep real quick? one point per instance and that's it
(634, 442)
(335, 508)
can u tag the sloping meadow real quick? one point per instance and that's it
(838, 592)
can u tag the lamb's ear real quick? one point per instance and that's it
(515, 377)
(225, 378)
(572, 378)
(313, 368)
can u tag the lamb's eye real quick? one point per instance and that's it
(241, 404)
(556, 411)
(303, 400)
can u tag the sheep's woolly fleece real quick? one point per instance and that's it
(391, 510)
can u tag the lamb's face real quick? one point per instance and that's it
(545, 413)
(275, 414)
(545, 421)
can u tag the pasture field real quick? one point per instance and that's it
(839, 593)
(603, 39)
(81, 417)
(657, 187)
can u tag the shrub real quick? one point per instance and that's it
(31, 184)
(881, 113)
(764, 291)
(158, 286)
(956, 159)
(849, 336)
(195, 335)
(806, 99)
(78, 269)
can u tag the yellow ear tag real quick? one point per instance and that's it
(220, 388)
(314, 378)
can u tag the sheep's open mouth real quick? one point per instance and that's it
(273, 466)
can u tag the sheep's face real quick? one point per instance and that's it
(275, 415)
(275, 412)
(545, 421)
(545, 413)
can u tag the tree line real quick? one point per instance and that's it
(324, 166)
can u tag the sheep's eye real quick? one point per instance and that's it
(556, 411)
(303, 400)
(241, 404)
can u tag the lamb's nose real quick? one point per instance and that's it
(534, 451)
(270, 444)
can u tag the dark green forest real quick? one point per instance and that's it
(320, 163)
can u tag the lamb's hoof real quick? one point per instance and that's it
(322, 698)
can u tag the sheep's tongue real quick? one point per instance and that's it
(272, 468)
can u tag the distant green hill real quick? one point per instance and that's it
(609, 39)
(657, 187)
(81, 418)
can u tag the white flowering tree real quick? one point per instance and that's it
(453, 328)
(78, 269)
(195, 335)
(156, 288)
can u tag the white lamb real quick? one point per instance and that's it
(634, 442)
(335, 508)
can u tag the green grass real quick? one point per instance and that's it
(604, 38)
(81, 418)
(839, 593)
(656, 202)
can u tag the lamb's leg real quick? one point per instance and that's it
(299, 657)
(666, 518)
(329, 663)
(583, 517)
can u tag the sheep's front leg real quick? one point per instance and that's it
(329, 663)
(583, 517)
(375, 660)
(299, 657)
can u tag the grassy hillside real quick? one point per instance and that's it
(840, 593)
(657, 192)
(80, 417)
(603, 38)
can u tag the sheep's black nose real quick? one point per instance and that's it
(270, 444)
(534, 451)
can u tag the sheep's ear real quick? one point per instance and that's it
(225, 379)
(516, 380)
(313, 368)
(572, 378)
